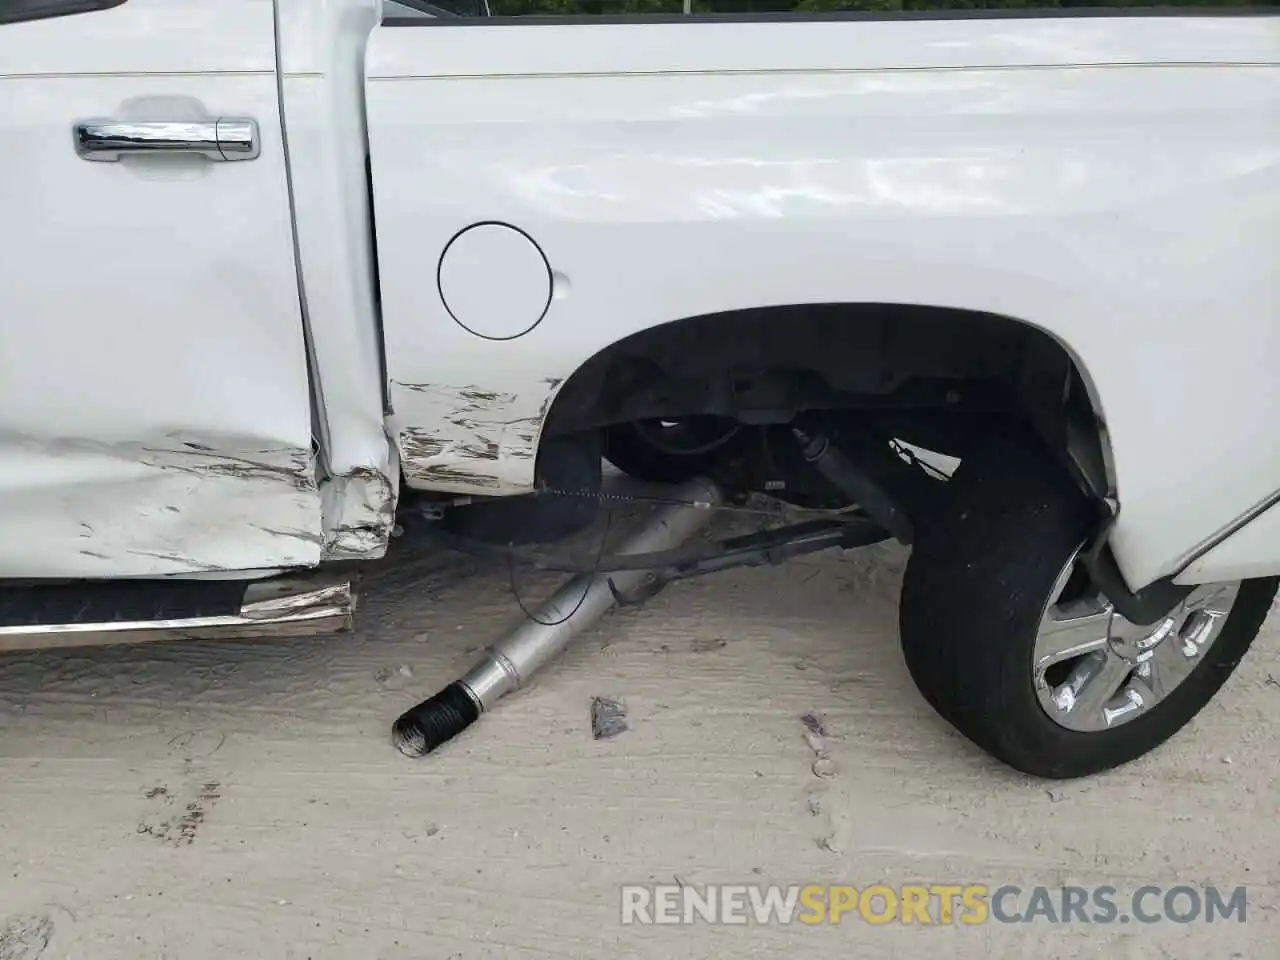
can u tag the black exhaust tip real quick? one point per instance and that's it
(434, 721)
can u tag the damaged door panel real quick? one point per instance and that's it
(154, 393)
(89, 509)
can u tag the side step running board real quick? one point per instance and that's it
(138, 611)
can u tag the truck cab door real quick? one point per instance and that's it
(155, 413)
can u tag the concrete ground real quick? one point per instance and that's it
(242, 799)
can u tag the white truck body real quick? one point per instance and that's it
(210, 368)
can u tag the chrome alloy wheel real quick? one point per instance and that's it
(1094, 670)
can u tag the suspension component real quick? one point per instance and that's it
(855, 482)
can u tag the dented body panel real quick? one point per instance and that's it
(83, 509)
(321, 75)
(211, 367)
(359, 514)
(155, 413)
(468, 439)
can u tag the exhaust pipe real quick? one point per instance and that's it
(512, 661)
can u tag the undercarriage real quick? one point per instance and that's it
(1013, 624)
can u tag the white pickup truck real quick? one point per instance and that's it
(273, 271)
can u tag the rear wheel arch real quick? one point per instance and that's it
(737, 363)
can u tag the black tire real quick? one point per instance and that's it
(975, 589)
(629, 448)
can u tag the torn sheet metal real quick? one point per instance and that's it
(359, 514)
(300, 605)
(470, 439)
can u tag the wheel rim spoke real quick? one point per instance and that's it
(1093, 669)
(1215, 599)
(1206, 612)
(1065, 634)
(1136, 697)
(1168, 667)
(1091, 686)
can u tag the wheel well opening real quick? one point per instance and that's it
(933, 375)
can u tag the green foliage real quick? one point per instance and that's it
(521, 8)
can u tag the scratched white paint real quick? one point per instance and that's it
(80, 509)
(469, 439)
(1110, 180)
(359, 514)
(151, 308)
(154, 398)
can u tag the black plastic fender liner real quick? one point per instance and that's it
(1144, 607)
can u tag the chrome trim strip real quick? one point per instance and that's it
(1230, 530)
(284, 607)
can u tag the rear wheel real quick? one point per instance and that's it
(1008, 641)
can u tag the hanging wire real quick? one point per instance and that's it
(515, 587)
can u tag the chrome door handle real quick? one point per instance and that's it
(226, 138)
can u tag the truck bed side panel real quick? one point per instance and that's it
(1114, 181)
